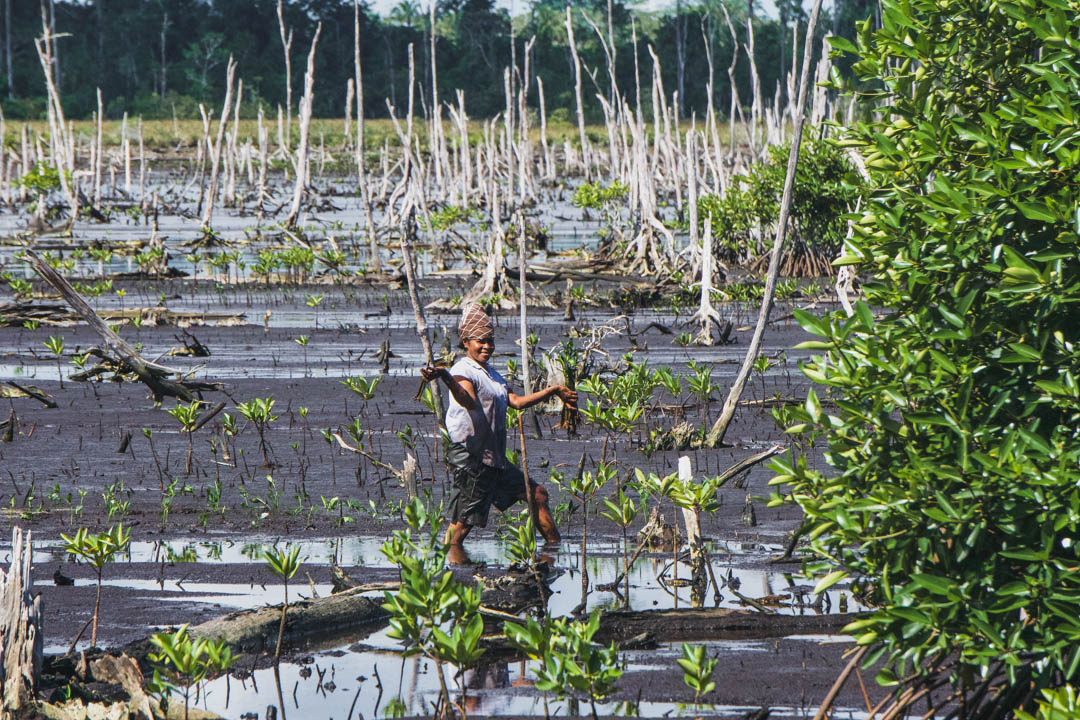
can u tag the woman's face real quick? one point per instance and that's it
(480, 349)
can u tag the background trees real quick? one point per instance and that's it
(160, 57)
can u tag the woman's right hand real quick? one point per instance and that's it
(432, 373)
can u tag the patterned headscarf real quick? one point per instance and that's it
(475, 323)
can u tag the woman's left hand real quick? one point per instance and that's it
(567, 395)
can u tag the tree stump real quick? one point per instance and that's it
(20, 630)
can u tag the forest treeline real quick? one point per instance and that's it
(161, 58)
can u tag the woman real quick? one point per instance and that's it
(476, 423)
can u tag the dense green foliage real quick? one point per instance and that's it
(821, 199)
(155, 58)
(953, 428)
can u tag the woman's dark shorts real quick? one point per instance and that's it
(477, 487)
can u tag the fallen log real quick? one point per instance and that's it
(503, 592)
(17, 314)
(713, 624)
(333, 618)
(152, 375)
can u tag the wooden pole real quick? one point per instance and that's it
(408, 230)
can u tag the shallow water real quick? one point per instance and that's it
(341, 683)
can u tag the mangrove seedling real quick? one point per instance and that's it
(188, 417)
(259, 412)
(622, 511)
(98, 549)
(182, 662)
(521, 545)
(313, 302)
(570, 361)
(284, 564)
(55, 343)
(701, 385)
(584, 488)
(364, 387)
(569, 659)
(432, 613)
(697, 671)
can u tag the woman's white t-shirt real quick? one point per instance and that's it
(483, 430)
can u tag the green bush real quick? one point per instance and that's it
(953, 433)
(821, 199)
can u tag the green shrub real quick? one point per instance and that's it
(820, 201)
(953, 438)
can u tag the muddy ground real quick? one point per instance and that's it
(63, 471)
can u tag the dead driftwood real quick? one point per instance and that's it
(12, 389)
(712, 624)
(314, 620)
(501, 592)
(19, 313)
(155, 377)
(20, 630)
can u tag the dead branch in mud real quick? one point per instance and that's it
(12, 389)
(152, 375)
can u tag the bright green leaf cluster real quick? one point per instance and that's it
(952, 419)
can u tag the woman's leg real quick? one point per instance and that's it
(543, 518)
(456, 533)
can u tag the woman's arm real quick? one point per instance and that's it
(461, 388)
(520, 402)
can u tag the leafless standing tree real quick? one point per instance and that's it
(286, 43)
(7, 48)
(164, 62)
(300, 165)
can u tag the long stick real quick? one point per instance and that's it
(524, 367)
(716, 433)
(418, 309)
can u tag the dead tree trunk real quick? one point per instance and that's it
(215, 151)
(716, 433)
(21, 638)
(577, 95)
(301, 163)
(286, 44)
(59, 131)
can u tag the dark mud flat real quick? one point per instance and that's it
(62, 471)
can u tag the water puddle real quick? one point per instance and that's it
(340, 683)
(654, 582)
